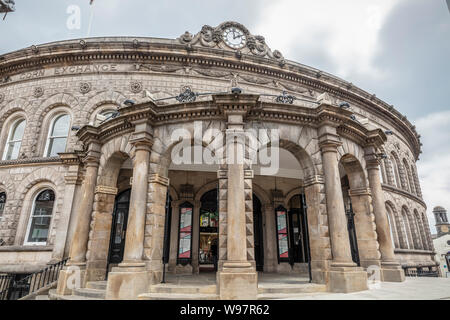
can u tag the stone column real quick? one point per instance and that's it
(130, 278)
(391, 269)
(318, 230)
(72, 179)
(237, 279)
(80, 238)
(270, 244)
(344, 275)
(174, 231)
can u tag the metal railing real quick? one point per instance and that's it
(13, 289)
(420, 273)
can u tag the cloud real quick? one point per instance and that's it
(343, 32)
(434, 167)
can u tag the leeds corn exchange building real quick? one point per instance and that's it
(208, 159)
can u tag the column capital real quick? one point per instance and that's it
(372, 158)
(156, 178)
(312, 180)
(106, 190)
(142, 137)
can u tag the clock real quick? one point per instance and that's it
(234, 37)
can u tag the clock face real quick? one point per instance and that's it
(234, 37)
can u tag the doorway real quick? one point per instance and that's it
(209, 232)
(119, 227)
(298, 237)
(258, 234)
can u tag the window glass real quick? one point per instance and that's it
(58, 137)
(14, 140)
(185, 232)
(283, 246)
(2, 202)
(41, 217)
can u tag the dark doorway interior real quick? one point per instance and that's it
(298, 238)
(258, 233)
(119, 227)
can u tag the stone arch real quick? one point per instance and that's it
(397, 170)
(115, 147)
(426, 225)
(410, 230)
(205, 188)
(292, 193)
(39, 179)
(350, 148)
(421, 229)
(393, 224)
(409, 179)
(100, 99)
(17, 105)
(261, 194)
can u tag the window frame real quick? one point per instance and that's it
(185, 261)
(277, 234)
(9, 140)
(30, 219)
(2, 210)
(50, 130)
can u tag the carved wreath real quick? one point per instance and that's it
(136, 87)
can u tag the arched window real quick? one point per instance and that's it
(395, 171)
(407, 230)
(57, 136)
(103, 116)
(41, 215)
(2, 202)
(14, 140)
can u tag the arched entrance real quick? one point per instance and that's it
(209, 232)
(119, 227)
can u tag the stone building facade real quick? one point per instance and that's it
(86, 137)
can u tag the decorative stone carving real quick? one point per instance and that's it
(136, 87)
(213, 37)
(38, 92)
(2, 97)
(85, 87)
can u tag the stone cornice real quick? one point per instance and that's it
(403, 193)
(164, 50)
(224, 104)
(30, 161)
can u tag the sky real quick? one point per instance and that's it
(397, 49)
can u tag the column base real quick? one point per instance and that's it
(127, 282)
(392, 272)
(238, 281)
(71, 277)
(347, 279)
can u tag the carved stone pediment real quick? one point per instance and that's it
(215, 37)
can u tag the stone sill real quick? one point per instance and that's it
(414, 251)
(25, 248)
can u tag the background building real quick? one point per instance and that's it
(442, 240)
(80, 159)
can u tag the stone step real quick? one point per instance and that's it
(42, 297)
(291, 289)
(99, 285)
(90, 293)
(177, 296)
(184, 289)
(52, 295)
(286, 296)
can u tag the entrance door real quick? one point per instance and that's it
(119, 227)
(352, 233)
(258, 234)
(209, 232)
(298, 237)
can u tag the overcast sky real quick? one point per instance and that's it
(397, 49)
